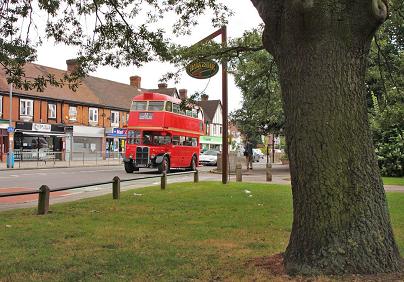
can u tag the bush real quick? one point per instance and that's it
(388, 136)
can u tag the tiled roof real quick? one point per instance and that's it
(167, 91)
(209, 108)
(92, 90)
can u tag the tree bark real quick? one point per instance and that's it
(341, 221)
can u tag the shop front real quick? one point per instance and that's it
(210, 143)
(38, 141)
(115, 141)
(3, 140)
(87, 141)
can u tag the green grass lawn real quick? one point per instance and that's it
(393, 180)
(188, 232)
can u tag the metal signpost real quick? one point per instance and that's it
(225, 151)
(10, 130)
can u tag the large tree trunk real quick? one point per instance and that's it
(341, 222)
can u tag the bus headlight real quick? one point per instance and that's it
(152, 156)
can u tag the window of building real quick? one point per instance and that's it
(26, 108)
(115, 118)
(1, 105)
(72, 113)
(93, 115)
(51, 110)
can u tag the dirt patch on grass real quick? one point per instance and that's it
(273, 266)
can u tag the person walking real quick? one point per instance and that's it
(248, 153)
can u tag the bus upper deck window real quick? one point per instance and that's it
(156, 105)
(176, 108)
(169, 106)
(138, 106)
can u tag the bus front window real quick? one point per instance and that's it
(156, 106)
(139, 106)
(133, 137)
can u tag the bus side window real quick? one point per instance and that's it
(176, 108)
(176, 140)
(167, 140)
(194, 113)
(188, 113)
(182, 141)
(169, 106)
(194, 142)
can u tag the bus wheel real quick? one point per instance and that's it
(164, 166)
(129, 168)
(193, 163)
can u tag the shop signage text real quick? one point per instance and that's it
(119, 131)
(41, 127)
(202, 69)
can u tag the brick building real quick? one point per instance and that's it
(90, 120)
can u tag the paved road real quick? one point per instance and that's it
(18, 180)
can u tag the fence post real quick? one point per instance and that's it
(269, 172)
(196, 176)
(164, 180)
(116, 188)
(43, 200)
(239, 175)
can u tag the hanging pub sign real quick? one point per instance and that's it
(202, 69)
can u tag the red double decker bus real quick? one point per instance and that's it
(160, 134)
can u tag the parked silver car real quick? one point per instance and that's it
(208, 158)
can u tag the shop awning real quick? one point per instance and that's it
(42, 133)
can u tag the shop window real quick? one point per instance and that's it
(72, 113)
(51, 110)
(114, 118)
(26, 108)
(93, 115)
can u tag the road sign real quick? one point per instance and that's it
(10, 129)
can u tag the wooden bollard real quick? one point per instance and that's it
(43, 200)
(116, 188)
(239, 175)
(196, 176)
(164, 181)
(269, 172)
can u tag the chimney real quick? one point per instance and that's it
(204, 97)
(162, 85)
(72, 65)
(183, 94)
(135, 81)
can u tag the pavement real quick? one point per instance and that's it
(31, 179)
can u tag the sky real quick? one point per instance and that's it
(245, 18)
